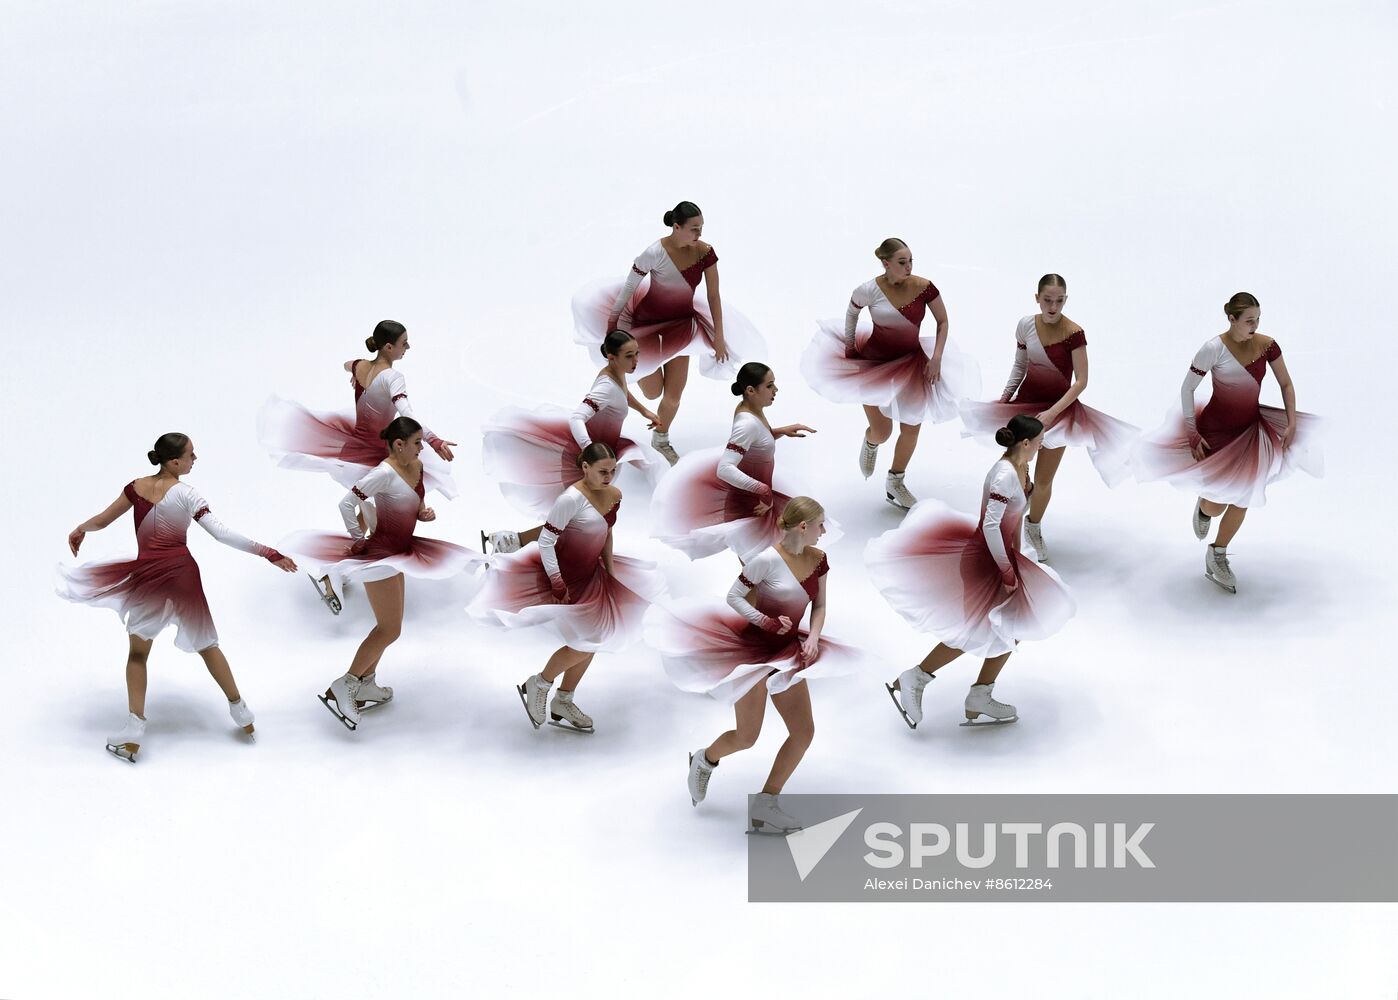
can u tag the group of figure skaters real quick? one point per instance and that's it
(964, 579)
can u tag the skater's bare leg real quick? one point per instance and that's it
(1045, 468)
(652, 385)
(1228, 527)
(940, 656)
(386, 598)
(748, 712)
(676, 375)
(992, 667)
(136, 657)
(570, 663)
(1210, 508)
(794, 706)
(220, 671)
(880, 427)
(905, 446)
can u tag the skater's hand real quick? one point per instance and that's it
(426, 514)
(1288, 435)
(934, 370)
(1009, 581)
(561, 592)
(1046, 417)
(652, 420)
(780, 625)
(443, 449)
(285, 564)
(792, 430)
(75, 539)
(720, 350)
(762, 508)
(1199, 448)
(359, 547)
(810, 649)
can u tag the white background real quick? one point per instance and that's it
(209, 203)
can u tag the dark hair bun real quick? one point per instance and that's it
(1004, 437)
(369, 344)
(736, 389)
(669, 218)
(154, 458)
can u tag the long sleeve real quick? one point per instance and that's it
(747, 430)
(590, 406)
(1203, 362)
(858, 299)
(398, 390)
(204, 517)
(640, 267)
(368, 486)
(1020, 368)
(562, 512)
(997, 501)
(753, 573)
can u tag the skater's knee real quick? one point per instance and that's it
(909, 432)
(137, 657)
(745, 739)
(389, 633)
(801, 733)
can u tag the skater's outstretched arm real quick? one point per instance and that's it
(97, 522)
(199, 511)
(398, 389)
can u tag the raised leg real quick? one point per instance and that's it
(748, 712)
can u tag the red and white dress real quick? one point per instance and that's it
(391, 546)
(666, 317)
(343, 445)
(708, 501)
(606, 611)
(533, 453)
(161, 585)
(1244, 437)
(942, 572)
(884, 363)
(725, 652)
(1040, 377)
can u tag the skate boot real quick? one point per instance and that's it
(565, 715)
(868, 455)
(326, 590)
(127, 743)
(535, 694)
(501, 542)
(700, 771)
(1201, 523)
(370, 694)
(339, 700)
(242, 716)
(896, 493)
(660, 441)
(906, 693)
(979, 702)
(1034, 534)
(767, 817)
(1216, 568)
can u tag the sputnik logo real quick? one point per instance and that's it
(808, 846)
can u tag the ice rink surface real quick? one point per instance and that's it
(210, 203)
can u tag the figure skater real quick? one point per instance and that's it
(1229, 451)
(1047, 379)
(968, 583)
(898, 372)
(161, 586)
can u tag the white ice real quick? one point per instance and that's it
(210, 203)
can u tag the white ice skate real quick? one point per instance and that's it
(242, 716)
(979, 702)
(1201, 523)
(868, 455)
(1216, 568)
(767, 817)
(906, 692)
(370, 695)
(700, 771)
(565, 715)
(339, 700)
(896, 493)
(500, 542)
(535, 694)
(127, 743)
(1034, 534)
(660, 441)
(326, 590)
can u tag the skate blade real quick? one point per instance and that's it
(331, 601)
(569, 727)
(124, 751)
(369, 706)
(893, 693)
(760, 829)
(978, 724)
(484, 541)
(888, 499)
(524, 700)
(334, 710)
(1220, 584)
